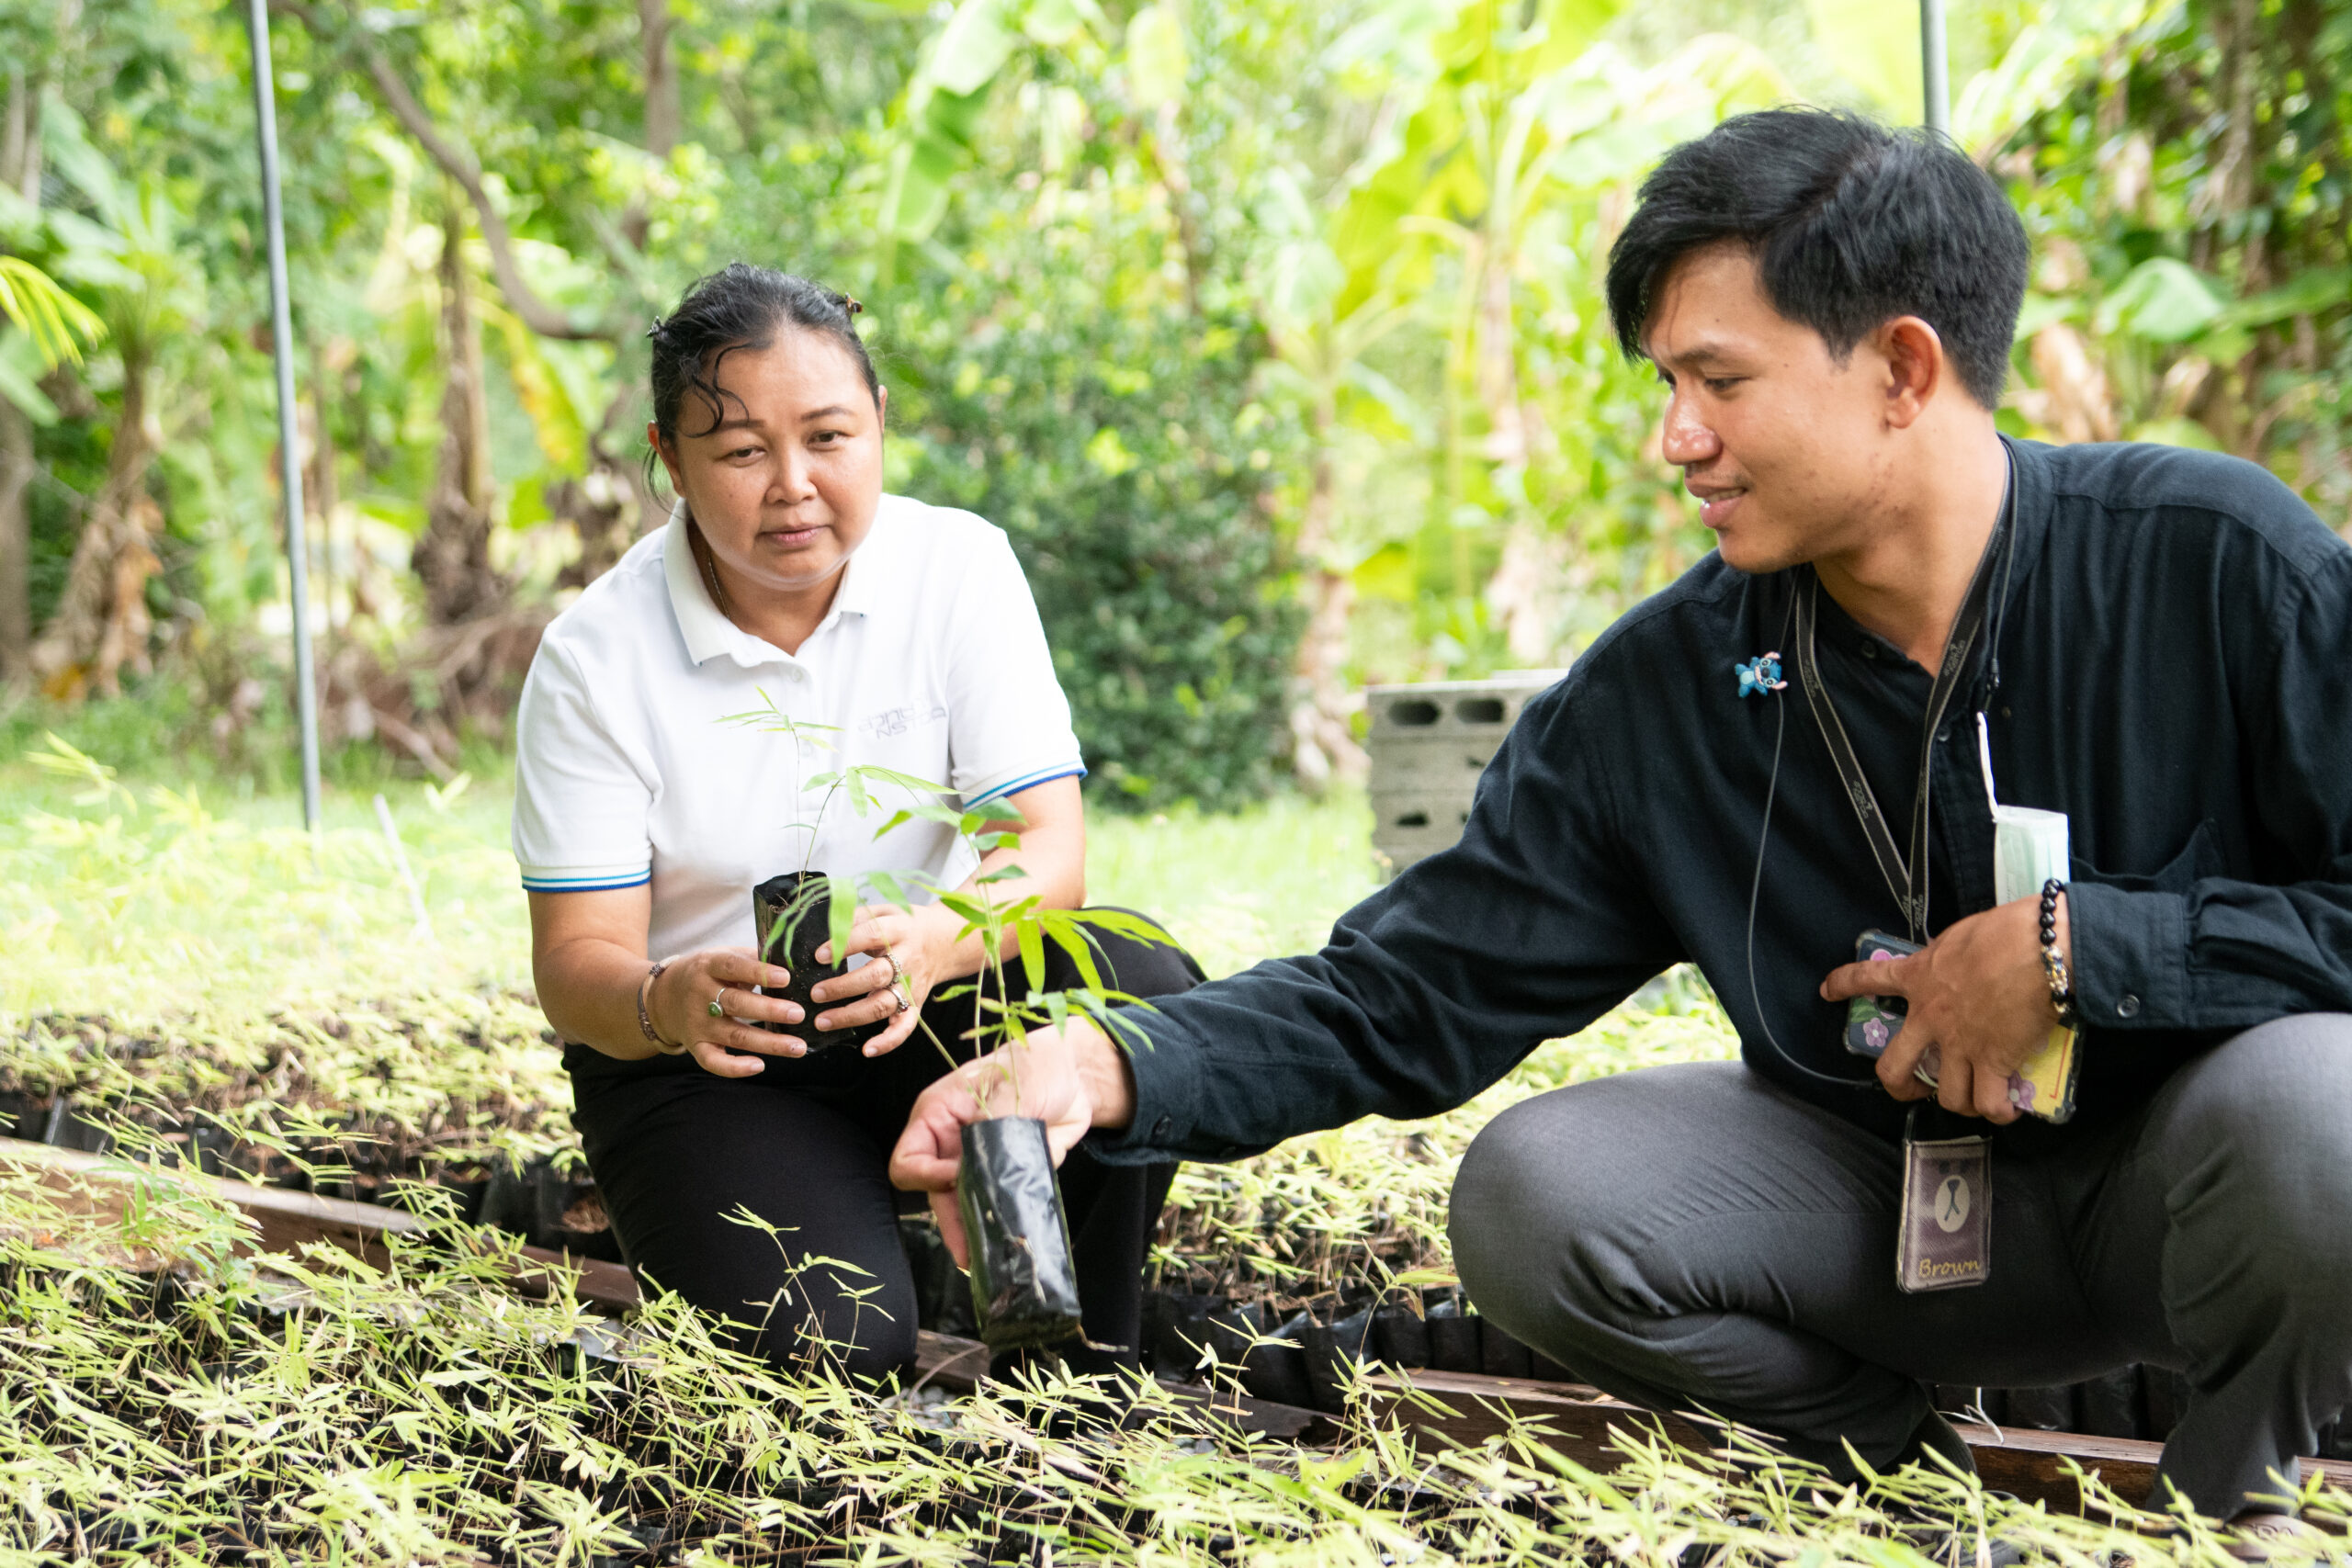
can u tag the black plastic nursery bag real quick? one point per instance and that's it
(1024, 1285)
(802, 903)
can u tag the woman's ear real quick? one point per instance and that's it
(667, 453)
(882, 406)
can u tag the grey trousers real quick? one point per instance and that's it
(1690, 1238)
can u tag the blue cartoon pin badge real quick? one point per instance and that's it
(1760, 675)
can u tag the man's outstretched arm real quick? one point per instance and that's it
(1529, 929)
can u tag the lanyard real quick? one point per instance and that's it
(1907, 878)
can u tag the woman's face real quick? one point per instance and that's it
(785, 485)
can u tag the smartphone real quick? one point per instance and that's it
(1872, 1022)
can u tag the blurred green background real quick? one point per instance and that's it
(1271, 331)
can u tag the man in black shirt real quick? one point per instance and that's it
(2157, 643)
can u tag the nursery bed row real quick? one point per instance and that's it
(414, 1414)
(1440, 1410)
(354, 1104)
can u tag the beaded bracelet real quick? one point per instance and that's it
(2053, 963)
(645, 1019)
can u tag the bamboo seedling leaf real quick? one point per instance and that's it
(971, 908)
(1033, 952)
(841, 915)
(1072, 937)
(891, 890)
(874, 774)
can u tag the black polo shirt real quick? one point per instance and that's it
(2176, 674)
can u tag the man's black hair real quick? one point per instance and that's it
(1851, 225)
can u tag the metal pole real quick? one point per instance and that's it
(281, 341)
(1935, 68)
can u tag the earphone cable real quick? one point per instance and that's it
(1755, 894)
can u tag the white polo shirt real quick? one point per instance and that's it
(931, 662)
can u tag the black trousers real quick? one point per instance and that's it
(766, 1201)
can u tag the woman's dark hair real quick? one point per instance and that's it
(1851, 225)
(741, 307)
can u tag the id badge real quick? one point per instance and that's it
(1947, 1227)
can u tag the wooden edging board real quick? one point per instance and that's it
(2028, 1463)
(285, 1221)
(1442, 1408)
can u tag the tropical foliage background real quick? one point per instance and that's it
(1271, 331)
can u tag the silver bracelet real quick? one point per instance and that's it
(645, 1017)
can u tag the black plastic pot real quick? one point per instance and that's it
(2110, 1404)
(1453, 1338)
(1025, 1287)
(1275, 1368)
(507, 1203)
(1182, 1336)
(1400, 1337)
(1330, 1353)
(1500, 1354)
(2042, 1409)
(800, 903)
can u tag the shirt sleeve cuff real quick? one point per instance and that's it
(1167, 1094)
(585, 878)
(1012, 782)
(2131, 957)
(1164, 1092)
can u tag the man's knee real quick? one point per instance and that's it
(2264, 1149)
(1519, 1207)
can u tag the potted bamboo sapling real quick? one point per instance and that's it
(796, 914)
(1024, 1283)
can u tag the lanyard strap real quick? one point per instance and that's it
(1907, 877)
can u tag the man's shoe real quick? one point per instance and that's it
(1970, 1548)
(2266, 1538)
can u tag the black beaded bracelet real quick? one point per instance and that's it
(2053, 963)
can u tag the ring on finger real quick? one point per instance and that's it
(718, 1003)
(901, 994)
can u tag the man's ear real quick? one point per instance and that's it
(1914, 353)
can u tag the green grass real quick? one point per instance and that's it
(152, 893)
(1234, 889)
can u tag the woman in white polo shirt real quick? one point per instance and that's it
(644, 818)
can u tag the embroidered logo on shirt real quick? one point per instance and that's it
(896, 721)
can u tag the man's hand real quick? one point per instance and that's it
(1070, 1078)
(1979, 999)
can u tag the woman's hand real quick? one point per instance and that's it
(907, 958)
(679, 1001)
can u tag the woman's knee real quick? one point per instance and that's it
(809, 1317)
(1140, 966)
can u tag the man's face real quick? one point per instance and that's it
(1784, 446)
